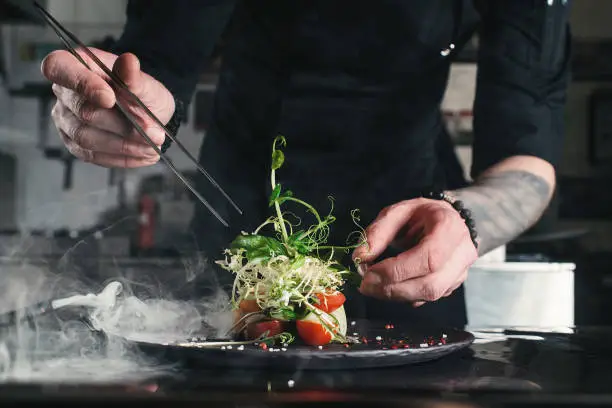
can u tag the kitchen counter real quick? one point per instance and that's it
(527, 369)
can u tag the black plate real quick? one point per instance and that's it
(386, 346)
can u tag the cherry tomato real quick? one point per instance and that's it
(249, 306)
(268, 327)
(329, 302)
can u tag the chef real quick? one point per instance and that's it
(356, 88)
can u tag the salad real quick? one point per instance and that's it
(288, 279)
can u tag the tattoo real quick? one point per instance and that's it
(504, 205)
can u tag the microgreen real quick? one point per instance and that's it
(285, 268)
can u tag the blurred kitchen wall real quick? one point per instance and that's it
(590, 23)
(41, 203)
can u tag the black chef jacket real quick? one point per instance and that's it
(356, 89)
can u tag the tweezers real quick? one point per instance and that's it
(117, 82)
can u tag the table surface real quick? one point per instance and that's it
(508, 364)
(579, 362)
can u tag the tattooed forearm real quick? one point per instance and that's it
(504, 205)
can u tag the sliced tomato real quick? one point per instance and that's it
(267, 327)
(329, 302)
(249, 306)
(313, 333)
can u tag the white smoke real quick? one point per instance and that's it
(90, 335)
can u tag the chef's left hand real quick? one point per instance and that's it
(438, 252)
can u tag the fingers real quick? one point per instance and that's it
(450, 291)
(424, 289)
(62, 68)
(428, 288)
(414, 235)
(462, 279)
(104, 119)
(384, 229)
(127, 67)
(98, 140)
(428, 256)
(150, 91)
(104, 159)
(419, 290)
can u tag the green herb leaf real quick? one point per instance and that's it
(258, 248)
(296, 241)
(274, 195)
(278, 158)
(284, 196)
(285, 314)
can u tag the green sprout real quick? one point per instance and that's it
(284, 270)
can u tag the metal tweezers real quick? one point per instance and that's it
(117, 82)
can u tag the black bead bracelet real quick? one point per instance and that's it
(460, 208)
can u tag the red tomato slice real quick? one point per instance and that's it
(268, 327)
(313, 333)
(329, 302)
(249, 306)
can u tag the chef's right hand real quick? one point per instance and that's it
(83, 114)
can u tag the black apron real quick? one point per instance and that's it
(356, 92)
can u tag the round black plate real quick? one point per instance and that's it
(384, 346)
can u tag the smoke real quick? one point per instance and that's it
(89, 336)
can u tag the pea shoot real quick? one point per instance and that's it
(284, 270)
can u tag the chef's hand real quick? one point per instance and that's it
(83, 114)
(438, 252)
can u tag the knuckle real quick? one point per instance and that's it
(387, 291)
(78, 134)
(86, 111)
(421, 201)
(156, 134)
(430, 292)
(81, 85)
(397, 272)
(125, 148)
(55, 111)
(153, 160)
(435, 258)
(395, 206)
(73, 149)
(372, 230)
(445, 216)
(385, 211)
(88, 156)
(56, 89)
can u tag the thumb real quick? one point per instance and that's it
(149, 90)
(127, 68)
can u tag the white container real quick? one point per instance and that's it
(497, 255)
(520, 295)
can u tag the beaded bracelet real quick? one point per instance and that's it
(460, 208)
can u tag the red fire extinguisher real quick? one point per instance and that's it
(146, 227)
